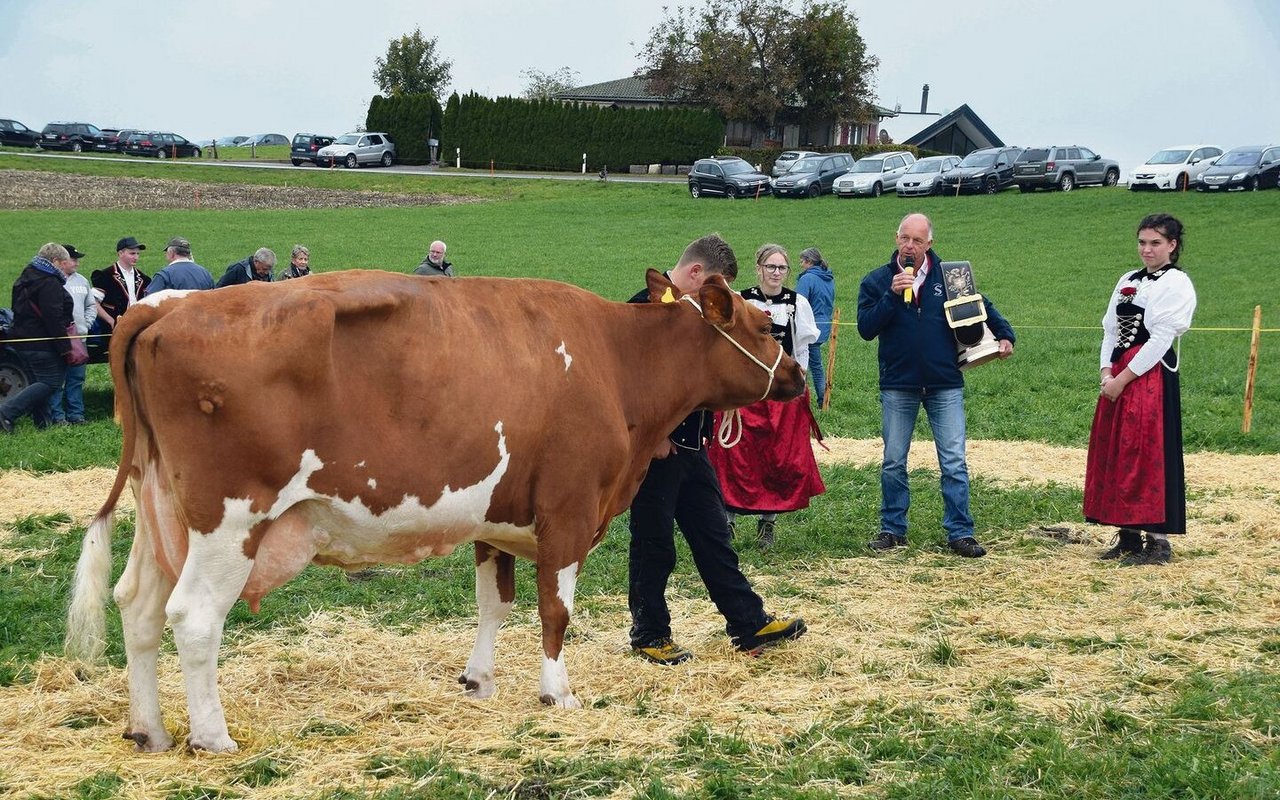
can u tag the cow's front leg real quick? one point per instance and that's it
(211, 580)
(495, 594)
(555, 606)
(141, 594)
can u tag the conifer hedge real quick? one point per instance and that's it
(513, 133)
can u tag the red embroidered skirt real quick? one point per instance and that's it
(1134, 475)
(772, 468)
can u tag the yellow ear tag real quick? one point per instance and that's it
(668, 296)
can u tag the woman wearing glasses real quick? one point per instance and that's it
(771, 469)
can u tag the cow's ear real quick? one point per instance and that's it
(661, 290)
(717, 303)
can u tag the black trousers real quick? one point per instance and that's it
(683, 488)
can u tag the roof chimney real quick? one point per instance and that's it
(924, 99)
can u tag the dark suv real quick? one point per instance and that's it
(305, 146)
(75, 136)
(727, 176)
(1063, 168)
(987, 171)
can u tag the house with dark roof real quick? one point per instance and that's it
(957, 132)
(633, 92)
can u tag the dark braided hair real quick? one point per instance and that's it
(1168, 226)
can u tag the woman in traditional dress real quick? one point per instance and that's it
(771, 469)
(1134, 477)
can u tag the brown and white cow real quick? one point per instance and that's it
(365, 417)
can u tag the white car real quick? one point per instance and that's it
(353, 149)
(873, 175)
(1174, 167)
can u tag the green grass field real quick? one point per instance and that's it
(1184, 698)
(1047, 260)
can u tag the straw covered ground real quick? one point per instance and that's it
(1056, 634)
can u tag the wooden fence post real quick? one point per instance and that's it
(1252, 372)
(831, 361)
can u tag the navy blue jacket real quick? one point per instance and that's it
(917, 347)
(242, 272)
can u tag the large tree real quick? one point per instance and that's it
(753, 59)
(541, 85)
(412, 67)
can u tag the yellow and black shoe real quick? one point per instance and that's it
(776, 629)
(664, 651)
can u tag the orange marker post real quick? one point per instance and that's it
(1252, 372)
(825, 400)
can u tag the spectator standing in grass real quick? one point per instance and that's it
(182, 272)
(771, 468)
(256, 267)
(680, 486)
(299, 264)
(918, 366)
(817, 284)
(41, 314)
(1134, 473)
(66, 404)
(435, 263)
(116, 288)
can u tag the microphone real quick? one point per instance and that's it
(908, 267)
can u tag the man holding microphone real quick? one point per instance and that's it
(901, 303)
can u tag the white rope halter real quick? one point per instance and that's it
(726, 435)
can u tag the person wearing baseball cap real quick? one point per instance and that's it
(116, 288)
(182, 272)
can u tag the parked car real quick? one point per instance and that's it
(988, 171)
(1249, 167)
(159, 144)
(119, 137)
(925, 176)
(1174, 167)
(229, 141)
(812, 176)
(264, 140)
(727, 176)
(354, 149)
(74, 136)
(1063, 168)
(306, 146)
(874, 174)
(15, 134)
(787, 159)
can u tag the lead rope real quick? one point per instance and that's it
(726, 435)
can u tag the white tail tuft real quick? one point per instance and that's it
(87, 616)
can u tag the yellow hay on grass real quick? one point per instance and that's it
(1054, 635)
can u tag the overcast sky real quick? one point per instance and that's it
(1125, 77)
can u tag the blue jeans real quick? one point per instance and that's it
(945, 409)
(817, 372)
(47, 371)
(72, 391)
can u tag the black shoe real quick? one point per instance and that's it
(776, 629)
(764, 532)
(887, 541)
(6, 426)
(968, 547)
(1127, 541)
(1157, 552)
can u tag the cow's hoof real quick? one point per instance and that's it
(568, 701)
(214, 744)
(146, 743)
(479, 689)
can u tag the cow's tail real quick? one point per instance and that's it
(87, 615)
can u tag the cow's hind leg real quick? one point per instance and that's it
(212, 578)
(556, 588)
(141, 594)
(495, 593)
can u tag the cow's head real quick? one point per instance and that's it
(745, 362)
